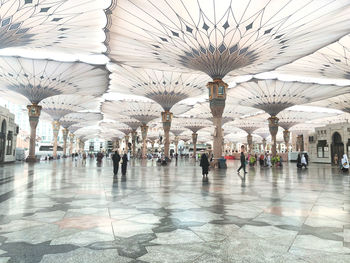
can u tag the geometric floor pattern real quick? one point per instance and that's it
(64, 211)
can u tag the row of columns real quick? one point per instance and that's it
(34, 112)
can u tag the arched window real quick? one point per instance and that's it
(337, 138)
(2, 140)
(3, 127)
(9, 143)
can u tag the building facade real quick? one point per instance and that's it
(8, 136)
(328, 141)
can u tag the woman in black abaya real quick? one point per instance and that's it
(205, 166)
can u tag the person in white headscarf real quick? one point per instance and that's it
(345, 163)
(303, 161)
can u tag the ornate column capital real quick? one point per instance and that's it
(144, 130)
(56, 127)
(249, 139)
(273, 125)
(217, 96)
(286, 136)
(167, 117)
(133, 135)
(34, 110)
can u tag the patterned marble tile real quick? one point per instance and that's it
(82, 238)
(85, 255)
(38, 234)
(47, 217)
(65, 212)
(125, 228)
(178, 236)
(17, 225)
(315, 243)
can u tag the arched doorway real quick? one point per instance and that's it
(337, 146)
(2, 141)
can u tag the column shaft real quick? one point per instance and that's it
(273, 127)
(217, 97)
(133, 140)
(65, 136)
(194, 141)
(71, 139)
(166, 119)
(286, 138)
(126, 138)
(144, 130)
(250, 142)
(176, 144)
(34, 111)
(55, 129)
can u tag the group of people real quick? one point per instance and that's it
(303, 160)
(116, 160)
(344, 164)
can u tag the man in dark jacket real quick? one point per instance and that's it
(242, 160)
(116, 160)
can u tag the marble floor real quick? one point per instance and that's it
(64, 211)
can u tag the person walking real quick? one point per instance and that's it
(84, 159)
(299, 161)
(99, 157)
(303, 161)
(335, 159)
(242, 161)
(124, 163)
(345, 163)
(307, 159)
(204, 163)
(116, 160)
(268, 160)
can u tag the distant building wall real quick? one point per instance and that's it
(8, 136)
(322, 148)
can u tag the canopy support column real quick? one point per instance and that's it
(116, 144)
(34, 111)
(273, 127)
(166, 119)
(264, 144)
(77, 143)
(71, 139)
(81, 146)
(55, 128)
(126, 138)
(176, 143)
(217, 97)
(300, 143)
(194, 141)
(133, 140)
(144, 130)
(65, 136)
(250, 142)
(286, 138)
(152, 143)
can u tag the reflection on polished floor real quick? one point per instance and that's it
(61, 211)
